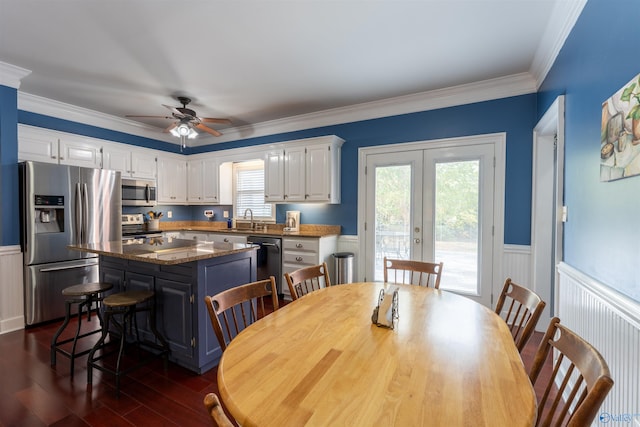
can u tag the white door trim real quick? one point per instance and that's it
(551, 124)
(499, 141)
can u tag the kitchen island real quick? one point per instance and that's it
(180, 272)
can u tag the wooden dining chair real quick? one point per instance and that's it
(524, 310)
(214, 408)
(411, 272)
(307, 279)
(231, 311)
(579, 371)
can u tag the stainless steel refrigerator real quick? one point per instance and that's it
(59, 206)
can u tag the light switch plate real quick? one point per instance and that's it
(225, 214)
(169, 214)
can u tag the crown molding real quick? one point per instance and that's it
(563, 17)
(502, 87)
(48, 107)
(486, 90)
(12, 76)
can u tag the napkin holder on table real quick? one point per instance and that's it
(386, 312)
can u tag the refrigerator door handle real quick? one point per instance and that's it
(68, 267)
(85, 213)
(78, 215)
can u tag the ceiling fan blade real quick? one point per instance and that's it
(150, 117)
(214, 120)
(174, 110)
(208, 129)
(171, 126)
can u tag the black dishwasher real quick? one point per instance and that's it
(269, 259)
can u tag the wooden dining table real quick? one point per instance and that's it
(320, 361)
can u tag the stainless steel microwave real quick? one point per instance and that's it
(136, 192)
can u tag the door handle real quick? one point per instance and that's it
(416, 240)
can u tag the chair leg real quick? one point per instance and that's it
(98, 344)
(54, 340)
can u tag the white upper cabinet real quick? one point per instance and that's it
(274, 176)
(304, 171)
(172, 179)
(45, 145)
(209, 182)
(136, 163)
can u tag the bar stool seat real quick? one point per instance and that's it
(84, 295)
(126, 305)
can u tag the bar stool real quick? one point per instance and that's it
(84, 295)
(127, 304)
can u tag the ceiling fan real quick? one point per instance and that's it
(187, 120)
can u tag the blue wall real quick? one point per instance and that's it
(602, 236)
(9, 219)
(516, 116)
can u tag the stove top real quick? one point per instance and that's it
(133, 225)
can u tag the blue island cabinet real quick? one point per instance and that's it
(182, 316)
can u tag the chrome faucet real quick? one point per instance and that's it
(245, 216)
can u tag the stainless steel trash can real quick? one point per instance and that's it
(343, 266)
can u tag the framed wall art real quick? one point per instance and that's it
(620, 133)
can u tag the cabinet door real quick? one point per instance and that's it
(194, 181)
(143, 165)
(294, 175)
(274, 176)
(77, 152)
(37, 145)
(172, 180)
(210, 181)
(174, 319)
(141, 282)
(117, 159)
(318, 173)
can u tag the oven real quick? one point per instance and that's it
(133, 227)
(137, 192)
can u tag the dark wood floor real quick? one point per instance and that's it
(33, 393)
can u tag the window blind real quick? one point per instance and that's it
(249, 190)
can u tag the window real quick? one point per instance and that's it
(248, 191)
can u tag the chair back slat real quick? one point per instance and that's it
(413, 272)
(580, 370)
(308, 279)
(233, 310)
(525, 309)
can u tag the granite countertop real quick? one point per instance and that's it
(160, 250)
(274, 230)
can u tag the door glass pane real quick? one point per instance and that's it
(456, 224)
(392, 214)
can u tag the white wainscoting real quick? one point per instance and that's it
(11, 289)
(516, 263)
(610, 321)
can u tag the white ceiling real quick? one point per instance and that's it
(259, 62)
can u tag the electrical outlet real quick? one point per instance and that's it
(208, 213)
(169, 214)
(225, 214)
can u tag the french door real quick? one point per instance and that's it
(434, 204)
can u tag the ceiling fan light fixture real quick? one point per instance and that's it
(183, 129)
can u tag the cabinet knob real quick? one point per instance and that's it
(306, 196)
(226, 240)
(299, 245)
(299, 258)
